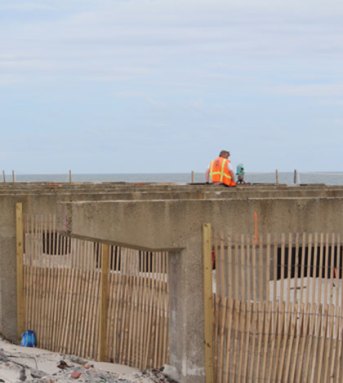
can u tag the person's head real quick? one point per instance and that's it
(224, 154)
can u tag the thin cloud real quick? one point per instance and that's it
(130, 30)
(313, 90)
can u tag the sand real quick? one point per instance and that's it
(27, 364)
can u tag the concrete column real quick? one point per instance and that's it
(186, 329)
(8, 297)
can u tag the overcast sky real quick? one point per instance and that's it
(145, 86)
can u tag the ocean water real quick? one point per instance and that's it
(328, 178)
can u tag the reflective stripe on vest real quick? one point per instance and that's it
(219, 171)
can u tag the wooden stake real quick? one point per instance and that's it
(267, 329)
(20, 284)
(208, 302)
(95, 305)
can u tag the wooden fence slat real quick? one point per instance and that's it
(338, 277)
(235, 341)
(305, 332)
(321, 255)
(242, 268)
(336, 369)
(229, 306)
(95, 310)
(326, 269)
(131, 306)
(282, 268)
(281, 338)
(332, 269)
(20, 271)
(141, 314)
(50, 285)
(289, 269)
(311, 368)
(75, 300)
(293, 353)
(302, 268)
(260, 335)
(166, 308)
(246, 348)
(309, 281)
(158, 303)
(266, 330)
(241, 330)
(315, 265)
(296, 268)
(329, 346)
(103, 302)
(62, 303)
(69, 293)
(285, 340)
(208, 301)
(85, 352)
(124, 299)
(118, 286)
(150, 312)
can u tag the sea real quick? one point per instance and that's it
(288, 178)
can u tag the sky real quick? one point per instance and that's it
(161, 86)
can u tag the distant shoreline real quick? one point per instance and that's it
(328, 178)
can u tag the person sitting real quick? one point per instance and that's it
(219, 171)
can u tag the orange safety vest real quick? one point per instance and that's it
(219, 172)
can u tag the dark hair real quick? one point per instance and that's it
(224, 153)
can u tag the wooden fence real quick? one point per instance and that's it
(278, 308)
(93, 299)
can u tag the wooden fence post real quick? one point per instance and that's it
(20, 273)
(208, 302)
(103, 302)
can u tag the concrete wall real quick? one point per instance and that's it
(164, 217)
(171, 223)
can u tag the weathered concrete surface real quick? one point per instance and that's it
(169, 224)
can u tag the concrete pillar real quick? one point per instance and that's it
(186, 329)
